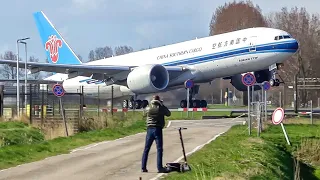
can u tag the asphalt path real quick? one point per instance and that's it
(121, 158)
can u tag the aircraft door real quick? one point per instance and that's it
(252, 43)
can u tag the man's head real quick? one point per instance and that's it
(156, 97)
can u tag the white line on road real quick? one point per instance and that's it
(189, 153)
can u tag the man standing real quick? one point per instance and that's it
(155, 123)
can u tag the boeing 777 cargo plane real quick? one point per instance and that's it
(227, 56)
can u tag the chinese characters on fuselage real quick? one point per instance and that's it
(228, 42)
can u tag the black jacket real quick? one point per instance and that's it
(155, 114)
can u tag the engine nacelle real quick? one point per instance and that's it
(148, 79)
(261, 76)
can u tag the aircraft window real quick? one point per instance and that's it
(286, 37)
(276, 38)
(280, 37)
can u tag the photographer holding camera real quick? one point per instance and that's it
(155, 123)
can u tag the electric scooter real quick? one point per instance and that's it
(180, 166)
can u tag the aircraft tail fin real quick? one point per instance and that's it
(57, 49)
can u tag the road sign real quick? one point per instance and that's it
(277, 116)
(58, 90)
(188, 83)
(248, 79)
(266, 85)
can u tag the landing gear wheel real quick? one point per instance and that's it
(145, 103)
(203, 104)
(130, 104)
(274, 82)
(277, 82)
(196, 103)
(183, 104)
(138, 104)
(125, 104)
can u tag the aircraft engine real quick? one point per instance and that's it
(148, 78)
(261, 76)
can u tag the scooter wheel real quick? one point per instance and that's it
(181, 168)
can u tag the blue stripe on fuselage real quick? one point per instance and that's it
(285, 46)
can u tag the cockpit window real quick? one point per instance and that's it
(282, 37)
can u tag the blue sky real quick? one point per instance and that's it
(87, 24)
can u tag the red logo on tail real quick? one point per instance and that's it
(52, 45)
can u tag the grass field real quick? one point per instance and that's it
(235, 155)
(23, 153)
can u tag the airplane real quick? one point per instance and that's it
(259, 50)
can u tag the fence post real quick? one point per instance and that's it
(30, 99)
(81, 103)
(42, 106)
(311, 113)
(111, 100)
(98, 101)
(1, 100)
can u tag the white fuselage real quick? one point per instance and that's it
(208, 58)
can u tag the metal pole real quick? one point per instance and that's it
(285, 134)
(18, 90)
(295, 93)
(265, 107)
(249, 116)
(25, 79)
(188, 102)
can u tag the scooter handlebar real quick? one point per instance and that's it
(181, 128)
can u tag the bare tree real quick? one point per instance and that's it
(230, 17)
(103, 52)
(305, 28)
(235, 16)
(120, 50)
(7, 71)
(80, 57)
(91, 56)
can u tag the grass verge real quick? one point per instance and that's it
(235, 155)
(18, 154)
(15, 133)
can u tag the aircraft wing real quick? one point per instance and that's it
(32, 81)
(81, 69)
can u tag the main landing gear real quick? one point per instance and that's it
(193, 103)
(136, 104)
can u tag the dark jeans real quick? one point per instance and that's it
(153, 133)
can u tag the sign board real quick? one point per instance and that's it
(248, 79)
(188, 83)
(266, 85)
(58, 90)
(277, 116)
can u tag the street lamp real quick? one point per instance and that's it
(18, 82)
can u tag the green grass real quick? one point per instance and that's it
(19, 154)
(235, 155)
(15, 133)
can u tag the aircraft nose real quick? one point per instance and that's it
(294, 45)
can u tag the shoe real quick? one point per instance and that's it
(163, 170)
(144, 170)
